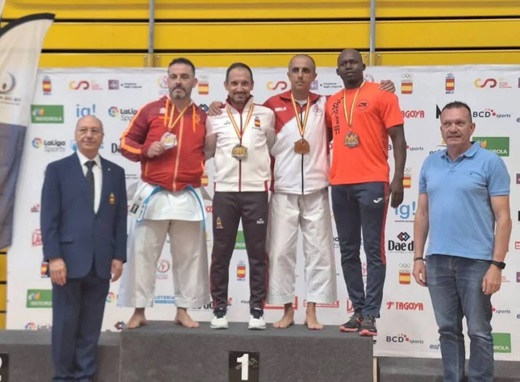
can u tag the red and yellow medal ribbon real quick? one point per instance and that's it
(301, 124)
(347, 119)
(240, 132)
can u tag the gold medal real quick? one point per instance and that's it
(351, 140)
(239, 152)
(302, 147)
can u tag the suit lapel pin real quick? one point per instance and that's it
(112, 198)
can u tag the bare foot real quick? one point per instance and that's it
(184, 319)
(138, 319)
(311, 321)
(288, 318)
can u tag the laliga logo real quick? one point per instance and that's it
(491, 81)
(37, 143)
(113, 111)
(271, 85)
(31, 326)
(81, 85)
(7, 83)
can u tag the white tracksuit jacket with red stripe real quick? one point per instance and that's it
(296, 173)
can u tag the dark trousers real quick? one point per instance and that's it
(360, 208)
(228, 209)
(77, 315)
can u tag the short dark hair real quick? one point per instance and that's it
(458, 105)
(183, 61)
(238, 65)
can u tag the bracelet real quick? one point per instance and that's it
(418, 258)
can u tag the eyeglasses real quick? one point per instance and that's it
(86, 130)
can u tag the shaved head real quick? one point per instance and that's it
(305, 57)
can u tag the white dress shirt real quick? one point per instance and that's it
(98, 176)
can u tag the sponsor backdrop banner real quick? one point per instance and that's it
(407, 325)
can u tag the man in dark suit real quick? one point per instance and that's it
(83, 222)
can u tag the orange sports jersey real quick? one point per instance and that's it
(374, 112)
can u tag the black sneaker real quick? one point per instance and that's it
(220, 312)
(352, 325)
(368, 326)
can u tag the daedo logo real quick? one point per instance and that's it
(498, 145)
(401, 245)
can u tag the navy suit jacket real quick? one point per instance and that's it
(70, 227)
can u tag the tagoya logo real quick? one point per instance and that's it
(400, 305)
(412, 114)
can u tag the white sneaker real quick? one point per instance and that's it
(219, 323)
(257, 323)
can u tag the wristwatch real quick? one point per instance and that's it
(499, 264)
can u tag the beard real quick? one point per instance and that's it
(178, 94)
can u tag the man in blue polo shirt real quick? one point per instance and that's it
(464, 207)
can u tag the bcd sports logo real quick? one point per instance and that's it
(498, 145)
(486, 113)
(403, 339)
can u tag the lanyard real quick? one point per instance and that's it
(240, 132)
(347, 119)
(172, 112)
(301, 125)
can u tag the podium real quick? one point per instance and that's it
(165, 352)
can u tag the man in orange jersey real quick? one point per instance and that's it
(167, 137)
(360, 118)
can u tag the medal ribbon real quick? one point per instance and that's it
(240, 132)
(301, 125)
(347, 119)
(172, 112)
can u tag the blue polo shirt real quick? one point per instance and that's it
(461, 219)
